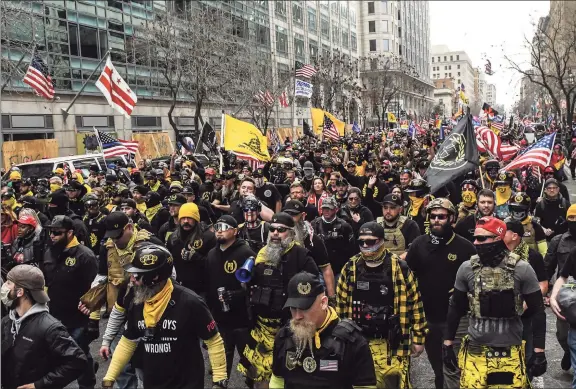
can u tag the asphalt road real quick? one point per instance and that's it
(422, 375)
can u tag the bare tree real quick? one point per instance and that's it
(335, 83)
(552, 52)
(200, 54)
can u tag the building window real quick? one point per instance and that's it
(438, 59)
(280, 8)
(449, 67)
(450, 74)
(325, 26)
(146, 122)
(335, 34)
(372, 44)
(432, 59)
(345, 39)
(458, 73)
(385, 26)
(370, 7)
(458, 81)
(444, 58)
(88, 42)
(283, 72)
(386, 45)
(299, 47)
(458, 66)
(312, 25)
(297, 17)
(353, 41)
(281, 40)
(372, 26)
(87, 123)
(445, 67)
(457, 58)
(384, 6)
(399, 32)
(451, 58)
(27, 127)
(400, 50)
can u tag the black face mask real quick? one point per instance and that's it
(491, 254)
(572, 227)
(55, 211)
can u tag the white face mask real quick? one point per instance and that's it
(5, 296)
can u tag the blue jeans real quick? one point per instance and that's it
(127, 378)
(87, 379)
(572, 346)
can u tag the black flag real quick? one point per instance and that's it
(208, 138)
(306, 129)
(457, 155)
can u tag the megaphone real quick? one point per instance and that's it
(244, 274)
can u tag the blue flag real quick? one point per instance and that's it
(356, 128)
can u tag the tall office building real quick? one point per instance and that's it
(455, 65)
(73, 35)
(491, 94)
(401, 30)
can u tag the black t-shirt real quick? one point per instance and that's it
(268, 195)
(537, 262)
(435, 267)
(172, 358)
(569, 268)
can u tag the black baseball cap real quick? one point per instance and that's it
(258, 173)
(303, 289)
(293, 207)
(394, 199)
(283, 218)
(115, 223)
(128, 203)
(228, 219)
(373, 229)
(515, 226)
(177, 199)
(61, 221)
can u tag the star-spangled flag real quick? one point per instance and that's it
(112, 147)
(116, 90)
(38, 78)
(537, 155)
(265, 98)
(303, 70)
(330, 131)
(275, 140)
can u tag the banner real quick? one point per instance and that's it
(391, 117)
(303, 89)
(458, 155)
(244, 139)
(153, 145)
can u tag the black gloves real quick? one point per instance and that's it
(449, 358)
(92, 330)
(231, 295)
(537, 364)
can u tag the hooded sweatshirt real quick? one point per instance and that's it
(17, 321)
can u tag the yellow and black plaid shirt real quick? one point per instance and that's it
(407, 302)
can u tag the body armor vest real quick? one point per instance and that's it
(393, 238)
(464, 211)
(373, 299)
(494, 295)
(255, 237)
(116, 261)
(268, 297)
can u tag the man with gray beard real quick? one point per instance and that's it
(276, 263)
(304, 234)
(317, 349)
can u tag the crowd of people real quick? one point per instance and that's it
(330, 266)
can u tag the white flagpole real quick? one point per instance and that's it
(222, 129)
(100, 144)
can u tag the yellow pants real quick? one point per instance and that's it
(391, 371)
(258, 351)
(486, 367)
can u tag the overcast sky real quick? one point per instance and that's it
(488, 29)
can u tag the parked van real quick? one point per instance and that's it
(44, 167)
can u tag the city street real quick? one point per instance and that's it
(421, 375)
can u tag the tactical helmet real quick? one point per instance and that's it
(443, 203)
(91, 199)
(504, 178)
(251, 203)
(151, 262)
(520, 201)
(470, 182)
(418, 186)
(491, 164)
(326, 164)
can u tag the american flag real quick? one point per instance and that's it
(38, 78)
(253, 162)
(275, 139)
(305, 71)
(424, 123)
(283, 99)
(330, 131)
(488, 141)
(112, 147)
(116, 90)
(497, 126)
(265, 98)
(537, 155)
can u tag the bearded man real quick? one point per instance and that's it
(379, 293)
(276, 264)
(316, 341)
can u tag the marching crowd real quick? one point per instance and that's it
(330, 266)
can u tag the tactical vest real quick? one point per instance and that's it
(494, 295)
(256, 237)
(116, 274)
(328, 370)
(393, 238)
(373, 300)
(464, 211)
(267, 296)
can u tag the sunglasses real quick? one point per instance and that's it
(222, 227)
(353, 198)
(484, 238)
(250, 209)
(367, 242)
(57, 233)
(439, 217)
(279, 229)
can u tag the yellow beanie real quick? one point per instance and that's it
(189, 210)
(15, 175)
(571, 211)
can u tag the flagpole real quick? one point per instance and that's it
(294, 105)
(101, 147)
(222, 127)
(65, 111)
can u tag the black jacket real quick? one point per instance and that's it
(69, 275)
(339, 240)
(166, 230)
(42, 353)
(159, 219)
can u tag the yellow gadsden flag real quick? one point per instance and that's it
(391, 117)
(318, 121)
(244, 138)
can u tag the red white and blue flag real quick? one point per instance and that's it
(537, 155)
(112, 147)
(38, 78)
